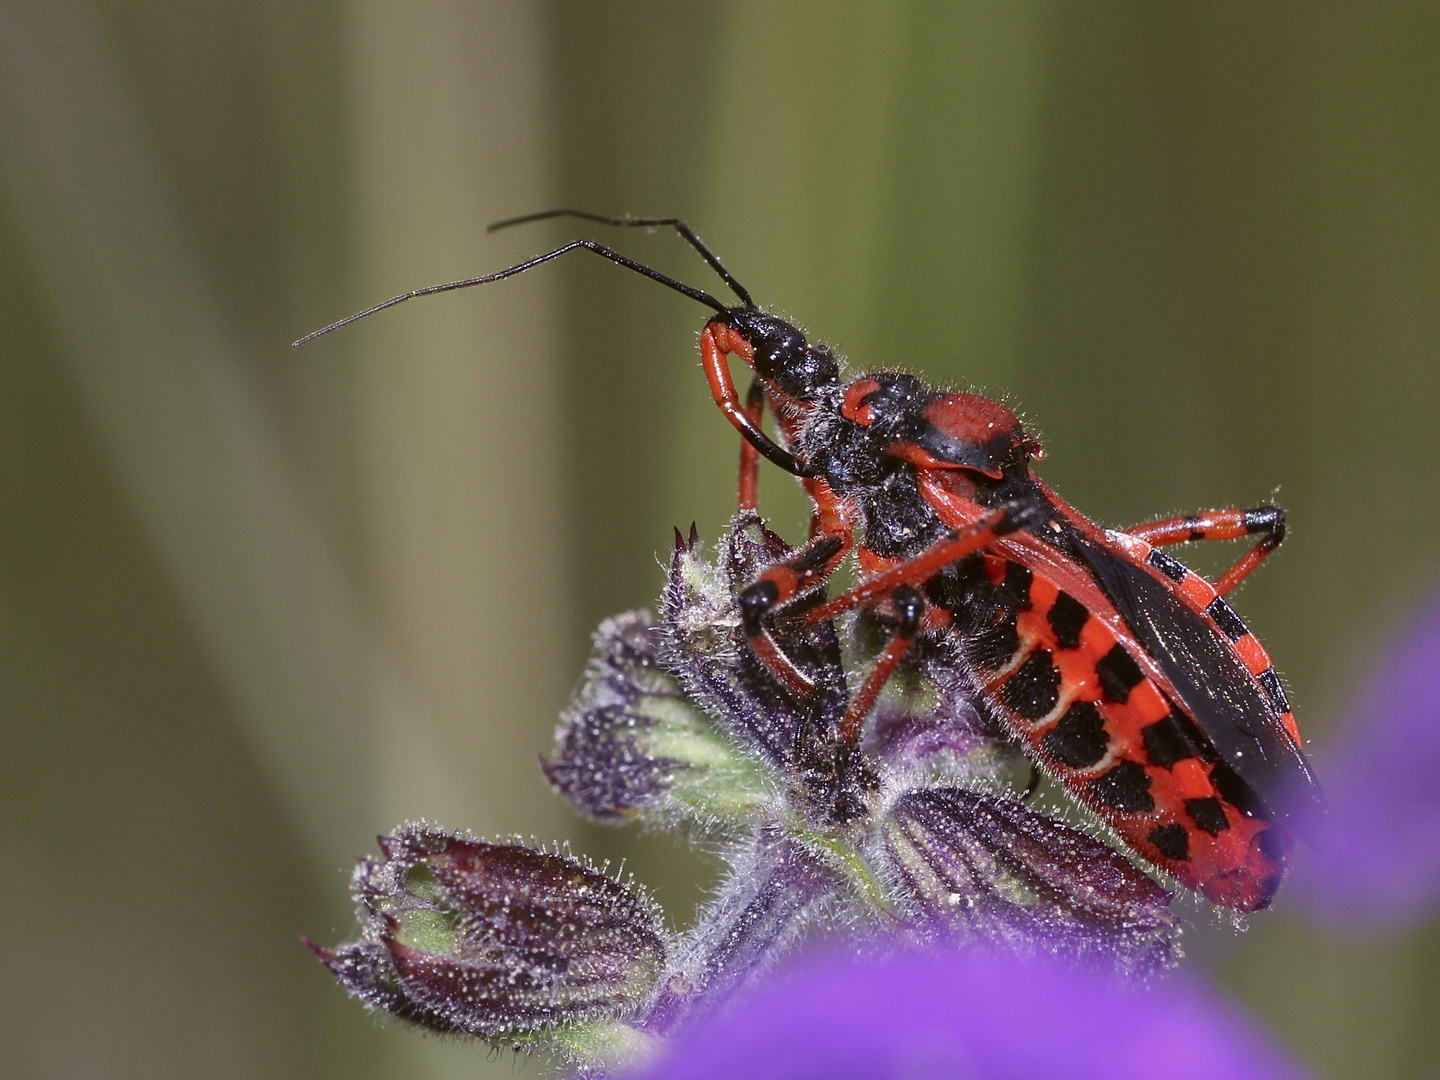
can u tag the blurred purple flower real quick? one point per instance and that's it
(1375, 857)
(976, 1017)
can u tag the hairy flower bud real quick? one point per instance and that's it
(631, 746)
(704, 644)
(498, 941)
(981, 867)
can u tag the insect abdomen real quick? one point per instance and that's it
(1075, 695)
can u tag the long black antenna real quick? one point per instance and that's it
(485, 279)
(757, 438)
(641, 223)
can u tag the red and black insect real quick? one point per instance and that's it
(1124, 675)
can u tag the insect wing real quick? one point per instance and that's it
(1226, 701)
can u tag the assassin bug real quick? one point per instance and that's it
(1124, 675)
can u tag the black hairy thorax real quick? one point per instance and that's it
(862, 463)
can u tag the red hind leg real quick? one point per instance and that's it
(1221, 525)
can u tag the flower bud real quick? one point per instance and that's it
(977, 866)
(703, 643)
(632, 746)
(499, 941)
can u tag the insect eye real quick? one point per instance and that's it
(770, 359)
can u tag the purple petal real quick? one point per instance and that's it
(973, 1016)
(1375, 857)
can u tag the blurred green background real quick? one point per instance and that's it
(257, 606)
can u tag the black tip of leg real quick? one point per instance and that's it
(755, 602)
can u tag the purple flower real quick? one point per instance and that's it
(1375, 858)
(917, 837)
(601, 762)
(973, 1016)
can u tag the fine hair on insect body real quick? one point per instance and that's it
(1122, 674)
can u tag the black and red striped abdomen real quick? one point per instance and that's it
(1082, 701)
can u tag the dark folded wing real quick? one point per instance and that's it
(1225, 700)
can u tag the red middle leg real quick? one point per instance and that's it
(917, 571)
(901, 585)
(911, 607)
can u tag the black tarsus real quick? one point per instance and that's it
(642, 223)
(485, 279)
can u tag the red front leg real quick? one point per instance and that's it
(804, 572)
